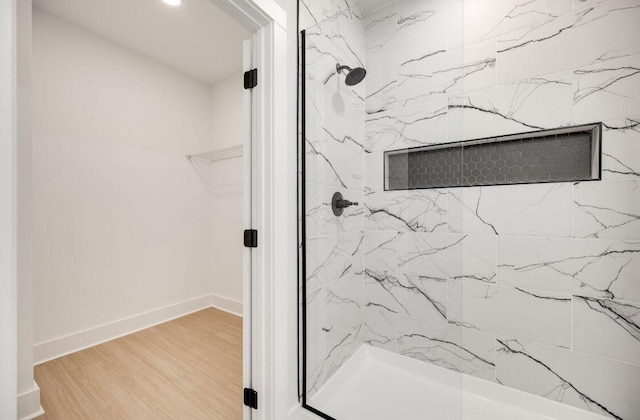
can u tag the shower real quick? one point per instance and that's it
(442, 198)
(354, 76)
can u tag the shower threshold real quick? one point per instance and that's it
(378, 384)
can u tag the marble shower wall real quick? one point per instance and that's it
(334, 160)
(536, 287)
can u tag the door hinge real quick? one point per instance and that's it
(251, 398)
(251, 238)
(251, 79)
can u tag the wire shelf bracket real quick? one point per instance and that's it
(202, 164)
(221, 154)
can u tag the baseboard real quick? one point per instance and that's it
(228, 305)
(29, 404)
(58, 347)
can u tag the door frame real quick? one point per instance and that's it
(8, 212)
(269, 196)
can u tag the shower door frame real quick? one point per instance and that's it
(302, 209)
(302, 231)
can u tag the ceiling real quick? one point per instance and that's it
(195, 38)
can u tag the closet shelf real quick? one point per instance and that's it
(221, 154)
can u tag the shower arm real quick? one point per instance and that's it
(339, 68)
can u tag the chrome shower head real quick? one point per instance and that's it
(354, 76)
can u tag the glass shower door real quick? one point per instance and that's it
(381, 261)
(333, 173)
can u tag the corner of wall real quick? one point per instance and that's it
(29, 403)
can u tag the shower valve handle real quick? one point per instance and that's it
(341, 204)
(338, 204)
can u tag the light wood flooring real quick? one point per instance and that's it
(188, 368)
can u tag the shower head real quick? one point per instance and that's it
(354, 76)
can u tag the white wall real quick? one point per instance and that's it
(8, 145)
(122, 222)
(226, 183)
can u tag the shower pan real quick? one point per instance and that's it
(469, 209)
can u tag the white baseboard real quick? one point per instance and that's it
(228, 305)
(62, 346)
(29, 404)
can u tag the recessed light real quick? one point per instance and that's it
(173, 2)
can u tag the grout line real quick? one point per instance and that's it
(571, 321)
(397, 321)
(496, 75)
(566, 350)
(496, 260)
(495, 358)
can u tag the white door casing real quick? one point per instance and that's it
(8, 206)
(247, 181)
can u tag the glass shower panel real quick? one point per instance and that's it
(334, 197)
(382, 269)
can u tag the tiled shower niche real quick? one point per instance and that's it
(566, 154)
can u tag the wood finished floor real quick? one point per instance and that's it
(188, 368)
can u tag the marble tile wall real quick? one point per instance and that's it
(536, 287)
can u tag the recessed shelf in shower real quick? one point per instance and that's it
(566, 154)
